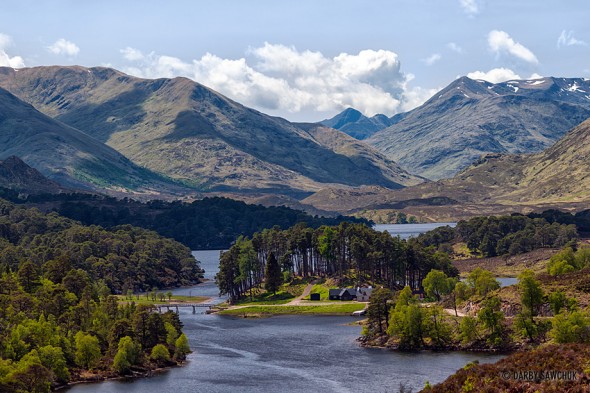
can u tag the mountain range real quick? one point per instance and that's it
(496, 183)
(473, 117)
(99, 129)
(187, 132)
(66, 155)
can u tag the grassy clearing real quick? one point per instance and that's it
(323, 290)
(332, 309)
(266, 298)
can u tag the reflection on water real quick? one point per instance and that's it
(285, 354)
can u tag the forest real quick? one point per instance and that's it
(353, 252)
(360, 255)
(207, 224)
(504, 235)
(58, 317)
(122, 257)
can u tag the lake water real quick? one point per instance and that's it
(405, 231)
(285, 354)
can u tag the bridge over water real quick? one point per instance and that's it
(176, 306)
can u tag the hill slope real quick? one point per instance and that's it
(18, 176)
(354, 123)
(470, 118)
(557, 177)
(186, 131)
(64, 154)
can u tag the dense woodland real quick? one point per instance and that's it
(122, 257)
(210, 223)
(506, 235)
(353, 252)
(57, 314)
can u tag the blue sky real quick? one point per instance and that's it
(306, 60)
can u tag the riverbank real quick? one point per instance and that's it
(294, 309)
(87, 378)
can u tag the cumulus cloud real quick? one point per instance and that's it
(282, 78)
(567, 38)
(495, 75)
(5, 59)
(498, 75)
(469, 6)
(132, 54)
(430, 60)
(63, 47)
(501, 42)
(454, 47)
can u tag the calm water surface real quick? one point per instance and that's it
(285, 354)
(405, 231)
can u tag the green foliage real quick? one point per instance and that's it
(468, 331)
(492, 318)
(512, 235)
(436, 284)
(210, 223)
(171, 334)
(78, 257)
(531, 293)
(407, 322)
(378, 311)
(182, 348)
(352, 252)
(128, 354)
(571, 327)
(160, 354)
(273, 276)
(87, 350)
(482, 281)
(54, 359)
(567, 261)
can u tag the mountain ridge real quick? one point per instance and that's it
(65, 155)
(352, 122)
(473, 117)
(558, 177)
(181, 129)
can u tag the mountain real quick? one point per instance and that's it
(63, 154)
(474, 117)
(16, 175)
(354, 123)
(188, 132)
(558, 177)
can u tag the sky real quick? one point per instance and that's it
(306, 60)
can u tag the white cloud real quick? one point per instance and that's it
(5, 59)
(281, 78)
(469, 6)
(454, 47)
(567, 39)
(495, 75)
(430, 60)
(63, 47)
(132, 54)
(498, 75)
(501, 42)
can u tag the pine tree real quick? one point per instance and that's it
(273, 275)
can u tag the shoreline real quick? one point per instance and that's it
(134, 376)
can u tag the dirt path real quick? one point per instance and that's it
(306, 291)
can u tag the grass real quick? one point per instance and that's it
(332, 309)
(323, 290)
(267, 298)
